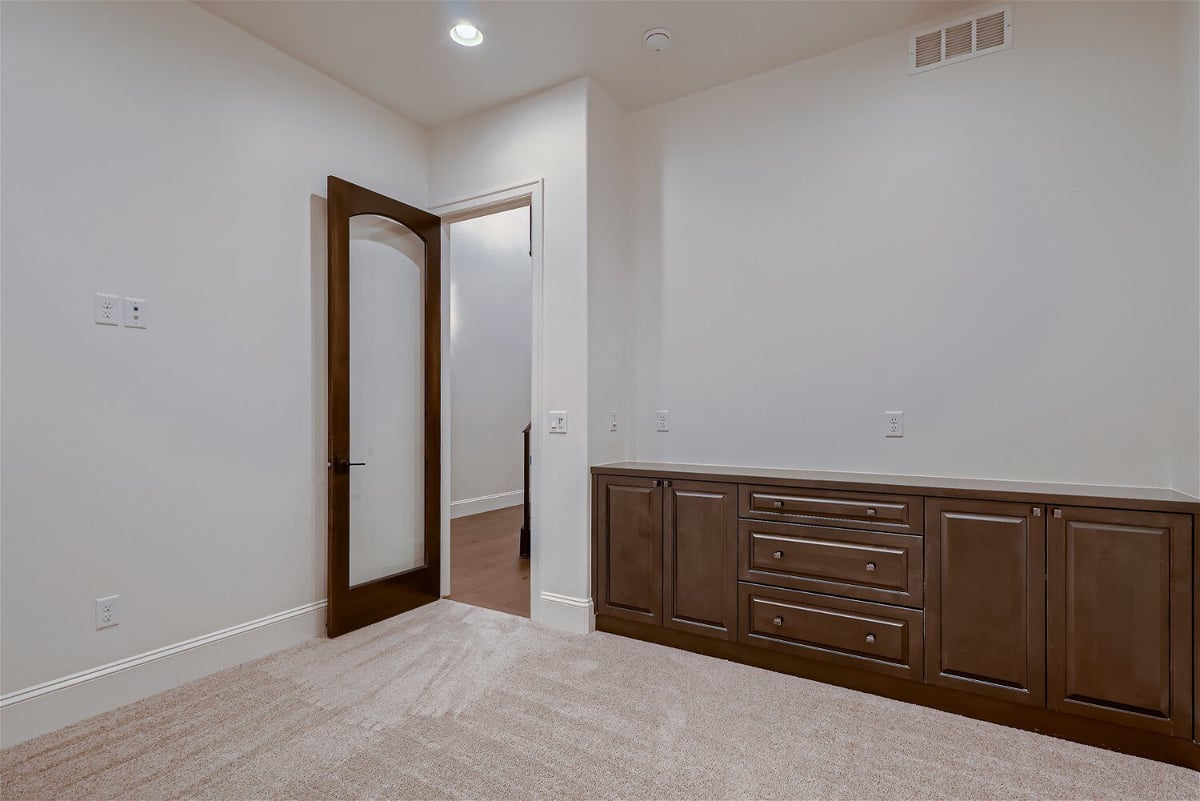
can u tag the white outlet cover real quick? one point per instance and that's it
(557, 422)
(662, 420)
(135, 312)
(107, 309)
(108, 611)
(893, 424)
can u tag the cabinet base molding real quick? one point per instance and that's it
(1175, 750)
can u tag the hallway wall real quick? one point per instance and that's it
(491, 336)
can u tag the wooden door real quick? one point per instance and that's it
(700, 558)
(1120, 617)
(384, 559)
(629, 519)
(985, 598)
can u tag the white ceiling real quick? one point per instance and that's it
(400, 55)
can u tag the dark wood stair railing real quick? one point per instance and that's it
(525, 522)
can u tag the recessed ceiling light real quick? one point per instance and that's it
(466, 34)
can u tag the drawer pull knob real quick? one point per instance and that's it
(778, 504)
(778, 620)
(870, 567)
(870, 513)
(778, 554)
(870, 639)
(1037, 511)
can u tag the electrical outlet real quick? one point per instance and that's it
(612, 421)
(558, 422)
(106, 309)
(135, 312)
(893, 425)
(108, 611)
(663, 418)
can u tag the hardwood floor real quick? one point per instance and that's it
(485, 568)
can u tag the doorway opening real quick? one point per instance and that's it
(490, 378)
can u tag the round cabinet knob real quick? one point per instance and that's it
(778, 621)
(778, 554)
(778, 504)
(870, 567)
(870, 513)
(870, 639)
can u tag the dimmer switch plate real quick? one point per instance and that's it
(558, 422)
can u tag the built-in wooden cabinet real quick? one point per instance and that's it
(1120, 617)
(1072, 613)
(700, 558)
(985, 598)
(629, 548)
(666, 553)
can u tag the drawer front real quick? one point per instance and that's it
(862, 510)
(868, 565)
(884, 639)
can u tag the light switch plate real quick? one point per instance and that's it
(135, 312)
(612, 421)
(893, 425)
(663, 420)
(107, 309)
(558, 422)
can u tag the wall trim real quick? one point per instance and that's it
(486, 503)
(566, 612)
(59, 702)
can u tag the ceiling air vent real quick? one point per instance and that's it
(951, 42)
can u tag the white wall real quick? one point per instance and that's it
(993, 248)
(1187, 448)
(491, 324)
(610, 280)
(152, 149)
(543, 137)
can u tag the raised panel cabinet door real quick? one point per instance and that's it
(700, 558)
(1120, 617)
(985, 598)
(629, 523)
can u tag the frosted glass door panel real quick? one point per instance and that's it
(387, 399)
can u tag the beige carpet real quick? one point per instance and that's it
(451, 701)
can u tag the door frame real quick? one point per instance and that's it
(527, 194)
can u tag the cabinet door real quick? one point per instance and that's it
(985, 598)
(700, 558)
(1120, 617)
(629, 548)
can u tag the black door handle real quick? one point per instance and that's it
(343, 465)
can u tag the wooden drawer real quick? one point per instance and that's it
(884, 639)
(868, 565)
(862, 510)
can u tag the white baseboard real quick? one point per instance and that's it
(486, 503)
(26, 713)
(566, 613)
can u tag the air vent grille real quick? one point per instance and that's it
(928, 49)
(958, 39)
(961, 39)
(990, 31)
